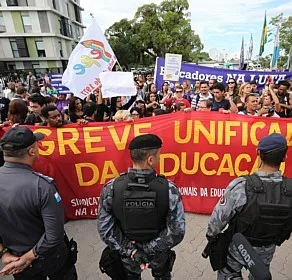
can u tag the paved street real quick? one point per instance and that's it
(189, 264)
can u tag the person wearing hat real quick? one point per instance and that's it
(140, 216)
(259, 206)
(32, 244)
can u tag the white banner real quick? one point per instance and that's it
(91, 56)
(172, 66)
(117, 84)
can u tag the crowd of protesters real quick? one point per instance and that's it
(26, 103)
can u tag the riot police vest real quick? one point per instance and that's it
(140, 204)
(267, 217)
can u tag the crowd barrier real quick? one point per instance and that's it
(202, 152)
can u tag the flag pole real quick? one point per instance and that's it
(119, 65)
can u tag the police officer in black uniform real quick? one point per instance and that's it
(141, 216)
(32, 244)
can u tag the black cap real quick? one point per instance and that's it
(18, 138)
(272, 142)
(146, 142)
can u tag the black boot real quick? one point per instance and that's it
(133, 276)
(167, 277)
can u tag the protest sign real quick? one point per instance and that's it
(172, 67)
(195, 72)
(56, 82)
(117, 84)
(90, 57)
(202, 152)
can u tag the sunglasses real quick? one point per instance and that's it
(231, 82)
(178, 91)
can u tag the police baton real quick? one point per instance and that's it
(253, 262)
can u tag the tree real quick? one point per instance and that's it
(264, 61)
(200, 56)
(121, 36)
(155, 31)
(285, 24)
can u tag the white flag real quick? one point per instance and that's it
(90, 57)
(276, 52)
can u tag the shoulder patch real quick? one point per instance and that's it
(47, 178)
(58, 197)
(173, 187)
(223, 200)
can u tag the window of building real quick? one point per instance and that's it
(28, 66)
(68, 11)
(22, 2)
(77, 32)
(40, 47)
(44, 22)
(65, 28)
(19, 47)
(35, 64)
(60, 48)
(10, 66)
(14, 48)
(77, 13)
(54, 4)
(69, 30)
(60, 27)
(11, 2)
(31, 2)
(26, 23)
(36, 68)
(2, 24)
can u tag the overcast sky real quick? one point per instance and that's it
(220, 23)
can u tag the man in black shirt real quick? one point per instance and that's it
(21, 93)
(89, 111)
(36, 103)
(53, 117)
(285, 99)
(4, 105)
(222, 101)
(32, 244)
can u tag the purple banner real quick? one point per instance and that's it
(194, 72)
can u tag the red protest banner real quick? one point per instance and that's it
(202, 152)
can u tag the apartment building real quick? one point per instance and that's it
(38, 35)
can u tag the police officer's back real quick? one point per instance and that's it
(258, 206)
(32, 243)
(141, 216)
